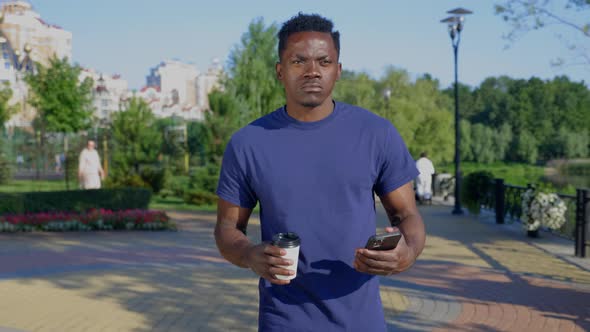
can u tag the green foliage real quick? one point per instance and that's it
(252, 72)
(202, 186)
(6, 169)
(200, 197)
(155, 177)
(137, 141)
(6, 110)
(474, 189)
(482, 139)
(466, 143)
(74, 200)
(63, 103)
(526, 148)
(71, 167)
(573, 145)
(219, 125)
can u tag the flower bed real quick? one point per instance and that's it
(93, 219)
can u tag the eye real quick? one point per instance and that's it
(325, 62)
(297, 61)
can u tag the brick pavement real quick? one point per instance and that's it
(472, 276)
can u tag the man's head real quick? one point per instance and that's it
(307, 23)
(90, 145)
(423, 154)
(308, 67)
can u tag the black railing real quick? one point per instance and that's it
(507, 201)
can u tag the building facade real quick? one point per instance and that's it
(24, 39)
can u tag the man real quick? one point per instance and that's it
(313, 166)
(424, 180)
(89, 169)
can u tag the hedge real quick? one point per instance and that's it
(75, 200)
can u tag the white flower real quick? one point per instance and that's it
(542, 209)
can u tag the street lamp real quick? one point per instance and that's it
(455, 24)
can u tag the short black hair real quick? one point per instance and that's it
(307, 22)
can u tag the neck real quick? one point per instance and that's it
(310, 114)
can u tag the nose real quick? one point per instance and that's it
(312, 70)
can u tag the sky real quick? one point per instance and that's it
(129, 37)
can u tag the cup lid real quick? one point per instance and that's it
(286, 240)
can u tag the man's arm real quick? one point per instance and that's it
(402, 212)
(234, 245)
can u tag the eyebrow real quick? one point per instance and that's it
(303, 57)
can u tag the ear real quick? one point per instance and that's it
(339, 71)
(279, 71)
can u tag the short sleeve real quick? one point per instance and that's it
(233, 185)
(396, 165)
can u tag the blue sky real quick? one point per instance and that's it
(130, 36)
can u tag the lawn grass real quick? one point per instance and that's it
(19, 186)
(172, 203)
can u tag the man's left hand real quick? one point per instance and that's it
(385, 262)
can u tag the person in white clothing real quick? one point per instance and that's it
(90, 171)
(424, 180)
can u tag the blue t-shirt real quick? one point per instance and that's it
(317, 179)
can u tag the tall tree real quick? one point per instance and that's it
(136, 138)
(527, 15)
(252, 71)
(219, 125)
(63, 103)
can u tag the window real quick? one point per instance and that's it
(7, 65)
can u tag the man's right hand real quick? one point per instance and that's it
(264, 259)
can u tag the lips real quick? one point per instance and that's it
(311, 87)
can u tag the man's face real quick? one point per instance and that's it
(90, 145)
(309, 68)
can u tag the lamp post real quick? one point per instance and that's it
(455, 24)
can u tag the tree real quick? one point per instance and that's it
(219, 125)
(63, 103)
(252, 72)
(6, 110)
(137, 141)
(501, 140)
(482, 143)
(525, 148)
(465, 148)
(527, 15)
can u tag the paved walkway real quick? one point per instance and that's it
(473, 276)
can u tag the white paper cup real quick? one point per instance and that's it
(291, 243)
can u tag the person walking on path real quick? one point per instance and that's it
(90, 171)
(424, 180)
(313, 165)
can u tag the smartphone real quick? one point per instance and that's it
(385, 241)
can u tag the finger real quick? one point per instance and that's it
(274, 250)
(376, 264)
(276, 270)
(273, 280)
(279, 261)
(380, 255)
(390, 229)
(362, 267)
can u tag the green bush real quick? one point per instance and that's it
(177, 185)
(474, 188)
(200, 197)
(155, 177)
(6, 169)
(75, 200)
(205, 178)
